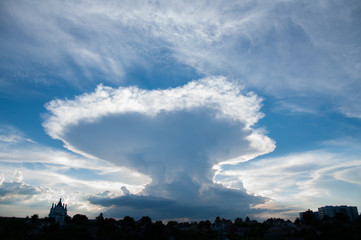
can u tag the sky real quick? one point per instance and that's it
(180, 110)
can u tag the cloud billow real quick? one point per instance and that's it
(16, 190)
(175, 136)
(215, 201)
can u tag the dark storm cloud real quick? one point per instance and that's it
(215, 200)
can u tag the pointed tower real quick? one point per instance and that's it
(58, 212)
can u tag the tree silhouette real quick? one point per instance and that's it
(80, 219)
(238, 222)
(145, 220)
(309, 218)
(128, 221)
(35, 218)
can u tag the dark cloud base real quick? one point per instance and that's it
(11, 191)
(214, 201)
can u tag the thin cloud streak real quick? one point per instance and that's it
(307, 180)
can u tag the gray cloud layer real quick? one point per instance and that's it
(215, 200)
(16, 190)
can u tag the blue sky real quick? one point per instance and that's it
(179, 110)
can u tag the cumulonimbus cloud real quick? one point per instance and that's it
(176, 136)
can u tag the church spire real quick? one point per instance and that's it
(58, 212)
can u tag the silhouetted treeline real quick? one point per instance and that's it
(80, 227)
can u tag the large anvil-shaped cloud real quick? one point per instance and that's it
(176, 136)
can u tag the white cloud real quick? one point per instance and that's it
(10, 135)
(45, 167)
(214, 92)
(271, 47)
(33, 176)
(175, 136)
(37, 187)
(306, 180)
(19, 198)
(10, 139)
(16, 190)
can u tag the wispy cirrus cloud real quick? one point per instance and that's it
(302, 180)
(11, 135)
(270, 47)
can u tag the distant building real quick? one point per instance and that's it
(331, 211)
(58, 212)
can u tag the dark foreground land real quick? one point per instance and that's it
(79, 227)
